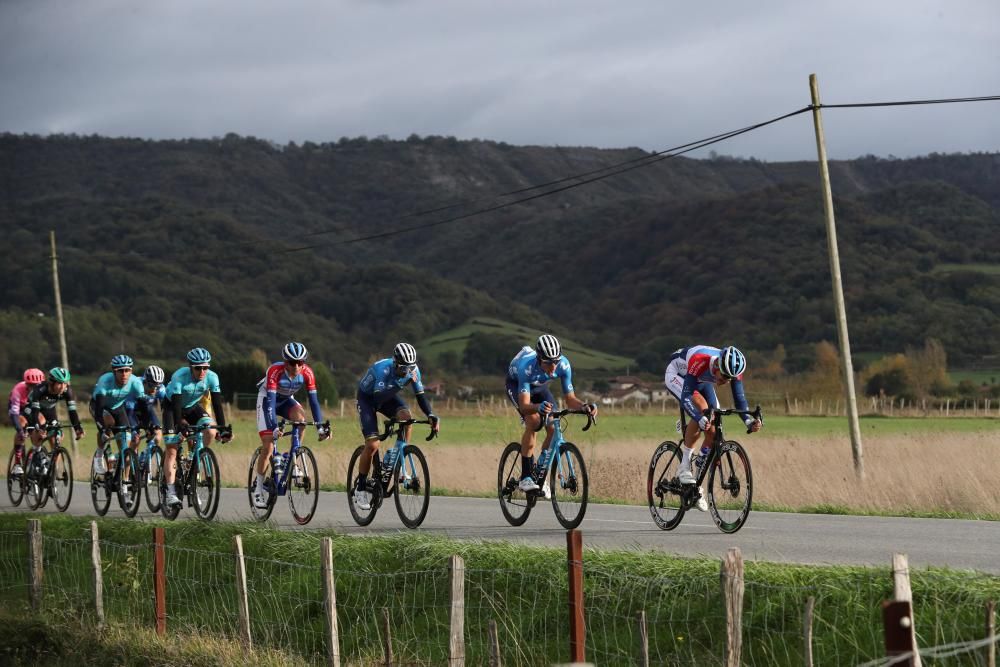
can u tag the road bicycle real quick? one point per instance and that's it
(300, 480)
(197, 477)
(402, 474)
(121, 472)
(562, 462)
(150, 462)
(47, 473)
(727, 466)
(15, 484)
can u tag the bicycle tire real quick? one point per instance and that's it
(207, 476)
(514, 503)
(307, 483)
(61, 478)
(413, 491)
(34, 490)
(129, 492)
(663, 491)
(573, 486)
(15, 483)
(260, 513)
(170, 512)
(735, 487)
(100, 489)
(151, 478)
(363, 517)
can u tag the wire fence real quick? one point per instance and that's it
(501, 616)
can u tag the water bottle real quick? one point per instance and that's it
(390, 459)
(142, 458)
(111, 461)
(700, 459)
(278, 464)
(543, 463)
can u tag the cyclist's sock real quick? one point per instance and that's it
(18, 453)
(527, 466)
(686, 457)
(260, 482)
(171, 488)
(362, 480)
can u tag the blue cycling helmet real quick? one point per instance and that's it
(121, 361)
(294, 352)
(732, 363)
(199, 356)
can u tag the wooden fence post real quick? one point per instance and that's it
(160, 582)
(330, 604)
(386, 637)
(35, 568)
(642, 636)
(903, 593)
(577, 629)
(456, 642)
(898, 624)
(95, 560)
(241, 591)
(807, 632)
(732, 595)
(991, 634)
(494, 644)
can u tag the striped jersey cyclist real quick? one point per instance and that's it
(40, 405)
(378, 392)
(276, 398)
(15, 402)
(691, 376)
(528, 375)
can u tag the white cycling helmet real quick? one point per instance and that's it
(153, 375)
(404, 354)
(294, 352)
(548, 348)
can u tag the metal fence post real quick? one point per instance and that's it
(898, 623)
(807, 632)
(160, 581)
(456, 642)
(732, 595)
(386, 637)
(35, 568)
(577, 629)
(241, 591)
(643, 639)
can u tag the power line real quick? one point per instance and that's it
(952, 100)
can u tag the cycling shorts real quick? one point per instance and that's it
(367, 409)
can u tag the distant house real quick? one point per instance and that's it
(624, 382)
(633, 394)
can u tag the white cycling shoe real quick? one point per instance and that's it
(259, 499)
(172, 500)
(17, 469)
(702, 504)
(546, 491)
(685, 476)
(528, 485)
(362, 499)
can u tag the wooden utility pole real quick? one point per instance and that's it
(838, 288)
(59, 314)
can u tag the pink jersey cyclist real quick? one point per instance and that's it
(16, 402)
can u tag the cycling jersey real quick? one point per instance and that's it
(689, 370)
(276, 394)
(144, 409)
(380, 382)
(109, 396)
(42, 402)
(525, 372)
(191, 392)
(17, 400)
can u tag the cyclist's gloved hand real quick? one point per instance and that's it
(225, 434)
(703, 423)
(544, 408)
(435, 422)
(753, 425)
(323, 432)
(276, 434)
(79, 432)
(591, 409)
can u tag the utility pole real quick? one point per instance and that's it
(838, 288)
(59, 314)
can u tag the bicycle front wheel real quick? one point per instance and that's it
(15, 487)
(100, 488)
(151, 478)
(413, 487)
(514, 503)
(129, 490)
(260, 513)
(303, 486)
(34, 485)
(569, 486)
(363, 517)
(205, 485)
(663, 490)
(730, 487)
(61, 478)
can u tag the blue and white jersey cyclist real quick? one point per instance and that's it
(378, 392)
(191, 390)
(528, 376)
(691, 376)
(112, 401)
(276, 398)
(154, 397)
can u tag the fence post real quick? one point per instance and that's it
(241, 591)
(577, 630)
(386, 637)
(807, 632)
(95, 559)
(160, 582)
(35, 569)
(898, 623)
(330, 604)
(643, 637)
(341, 408)
(732, 595)
(456, 643)
(991, 634)
(903, 593)
(494, 644)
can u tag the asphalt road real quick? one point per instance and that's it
(767, 536)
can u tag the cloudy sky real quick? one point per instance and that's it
(647, 73)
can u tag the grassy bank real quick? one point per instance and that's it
(522, 588)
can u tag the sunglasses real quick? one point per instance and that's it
(123, 370)
(199, 368)
(295, 363)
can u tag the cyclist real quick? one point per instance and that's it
(144, 411)
(691, 376)
(276, 398)
(41, 406)
(115, 394)
(377, 392)
(527, 376)
(17, 400)
(190, 390)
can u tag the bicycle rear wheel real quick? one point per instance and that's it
(413, 486)
(730, 487)
(100, 487)
(129, 488)
(364, 517)
(34, 487)
(569, 486)
(663, 490)
(205, 485)
(170, 512)
(15, 487)
(514, 503)
(261, 513)
(303, 486)
(61, 478)
(151, 477)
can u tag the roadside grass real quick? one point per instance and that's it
(522, 588)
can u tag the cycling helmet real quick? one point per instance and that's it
(121, 361)
(294, 352)
(404, 354)
(34, 376)
(199, 356)
(548, 348)
(153, 375)
(732, 363)
(59, 374)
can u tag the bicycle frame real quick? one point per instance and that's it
(556, 445)
(397, 428)
(715, 453)
(296, 436)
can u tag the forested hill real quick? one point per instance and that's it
(165, 244)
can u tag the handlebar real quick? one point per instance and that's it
(716, 415)
(591, 419)
(48, 427)
(283, 422)
(391, 427)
